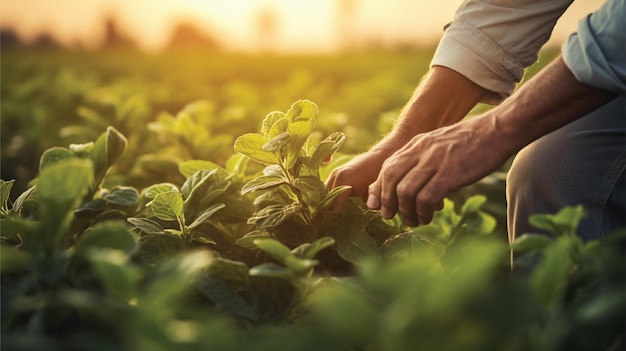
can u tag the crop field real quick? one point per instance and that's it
(176, 201)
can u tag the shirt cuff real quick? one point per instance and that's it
(473, 54)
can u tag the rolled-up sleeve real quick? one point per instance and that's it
(491, 42)
(596, 53)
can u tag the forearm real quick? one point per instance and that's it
(547, 102)
(444, 97)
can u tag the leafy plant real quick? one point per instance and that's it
(246, 257)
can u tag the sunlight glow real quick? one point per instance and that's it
(305, 25)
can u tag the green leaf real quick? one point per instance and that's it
(270, 121)
(227, 297)
(328, 200)
(608, 305)
(82, 149)
(17, 225)
(168, 206)
(476, 223)
(263, 182)
(122, 195)
(206, 214)
(174, 277)
(357, 246)
(23, 198)
(325, 149)
(528, 242)
(229, 271)
(236, 164)
(543, 221)
(156, 189)
(277, 143)
(5, 192)
(302, 116)
(549, 278)
(311, 190)
(299, 265)
(113, 270)
(309, 250)
(54, 155)
(273, 215)
(473, 204)
(146, 225)
(568, 218)
(110, 235)
(404, 245)
(270, 270)
(189, 168)
(251, 145)
(61, 187)
(196, 181)
(107, 149)
(13, 260)
(247, 240)
(156, 249)
(564, 222)
(274, 248)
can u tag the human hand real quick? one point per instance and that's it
(416, 178)
(358, 173)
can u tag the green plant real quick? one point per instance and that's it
(241, 257)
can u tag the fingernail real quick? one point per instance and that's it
(372, 201)
(384, 211)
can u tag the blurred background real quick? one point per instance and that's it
(182, 79)
(243, 25)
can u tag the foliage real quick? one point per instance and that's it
(246, 254)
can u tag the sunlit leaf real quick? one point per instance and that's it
(156, 189)
(277, 143)
(53, 155)
(196, 181)
(189, 168)
(168, 206)
(251, 145)
(107, 149)
(270, 270)
(274, 248)
(5, 191)
(262, 183)
(269, 121)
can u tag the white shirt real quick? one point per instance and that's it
(491, 42)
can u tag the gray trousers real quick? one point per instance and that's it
(580, 163)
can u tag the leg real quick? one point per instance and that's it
(581, 163)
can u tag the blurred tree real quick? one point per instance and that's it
(266, 27)
(114, 38)
(187, 35)
(9, 38)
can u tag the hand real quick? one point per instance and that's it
(415, 179)
(358, 173)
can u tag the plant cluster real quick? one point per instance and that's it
(248, 255)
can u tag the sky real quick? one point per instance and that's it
(302, 25)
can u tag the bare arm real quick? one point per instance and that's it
(444, 97)
(415, 179)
